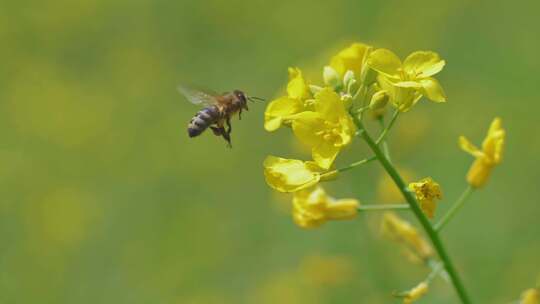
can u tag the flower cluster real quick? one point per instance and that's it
(357, 79)
(360, 80)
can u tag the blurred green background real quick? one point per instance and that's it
(104, 198)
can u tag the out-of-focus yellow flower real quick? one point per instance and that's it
(530, 296)
(427, 193)
(313, 207)
(416, 293)
(401, 231)
(407, 82)
(326, 271)
(280, 110)
(486, 158)
(290, 175)
(327, 129)
(352, 58)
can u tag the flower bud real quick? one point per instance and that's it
(349, 80)
(378, 100)
(331, 77)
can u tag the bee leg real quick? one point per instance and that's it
(227, 138)
(220, 131)
(229, 127)
(240, 114)
(216, 130)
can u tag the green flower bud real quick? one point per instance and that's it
(331, 77)
(314, 89)
(379, 100)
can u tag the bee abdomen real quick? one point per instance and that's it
(202, 120)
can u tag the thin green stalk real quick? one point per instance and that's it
(356, 164)
(382, 207)
(390, 124)
(384, 142)
(455, 208)
(411, 200)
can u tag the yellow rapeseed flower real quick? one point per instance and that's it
(352, 58)
(280, 110)
(312, 207)
(486, 158)
(530, 296)
(407, 82)
(327, 129)
(290, 175)
(416, 293)
(427, 193)
(401, 231)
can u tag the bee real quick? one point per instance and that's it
(217, 112)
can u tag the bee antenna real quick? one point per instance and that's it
(253, 98)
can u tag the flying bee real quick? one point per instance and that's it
(217, 112)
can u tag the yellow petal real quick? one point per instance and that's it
(297, 87)
(530, 296)
(324, 154)
(306, 127)
(329, 105)
(342, 209)
(494, 142)
(469, 147)
(408, 84)
(422, 64)
(350, 59)
(416, 293)
(433, 90)
(279, 110)
(479, 172)
(288, 175)
(385, 62)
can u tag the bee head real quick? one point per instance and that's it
(240, 95)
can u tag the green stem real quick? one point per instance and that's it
(455, 208)
(390, 124)
(384, 143)
(411, 200)
(382, 207)
(356, 164)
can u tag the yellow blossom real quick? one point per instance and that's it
(401, 231)
(327, 129)
(530, 296)
(407, 82)
(486, 158)
(312, 207)
(352, 58)
(427, 193)
(280, 110)
(416, 293)
(289, 175)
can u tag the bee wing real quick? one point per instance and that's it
(198, 96)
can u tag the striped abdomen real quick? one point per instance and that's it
(202, 120)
